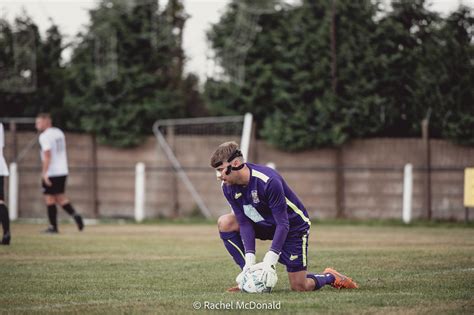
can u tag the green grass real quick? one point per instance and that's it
(164, 268)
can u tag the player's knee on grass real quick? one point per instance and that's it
(299, 282)
(298, 287)
(227, 223)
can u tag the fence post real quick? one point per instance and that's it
(13, 192)
(407, 193)
(170, 135)
(340, 203)
(246, 135)
(427, 176)
(94, 175)
(271, 165)
(139, 192)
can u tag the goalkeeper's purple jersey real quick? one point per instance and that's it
(266, 203)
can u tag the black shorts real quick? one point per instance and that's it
(57, 187)
(2, 190)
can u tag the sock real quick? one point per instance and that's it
(69, 209)
(321, 280)
(52, 215)
(4, 218)
(235, 247)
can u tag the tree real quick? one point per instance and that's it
(406, 46)
(30, 68)
(126, 71)
(455, 113)
(393, 69)
(289, 75)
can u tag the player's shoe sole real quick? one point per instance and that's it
(233, 289)
(341, 281)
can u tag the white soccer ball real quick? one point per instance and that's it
(252, 282)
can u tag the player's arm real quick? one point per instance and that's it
(247, 233)
(277, 203)
(46, 161)
(45, 167)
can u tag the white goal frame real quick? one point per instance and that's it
(247, 121)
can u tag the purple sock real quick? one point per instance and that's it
(321, 280)
(235, 247)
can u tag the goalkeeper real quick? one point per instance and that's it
(264, 207)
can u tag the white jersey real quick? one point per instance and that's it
(3, 164)
(53, 140)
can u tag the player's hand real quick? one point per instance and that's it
(268, 265)
(249, 262)
(269, 261)
(46, 180)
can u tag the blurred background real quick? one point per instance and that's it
(343, 95)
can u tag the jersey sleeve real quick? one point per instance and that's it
(44, 143)
(277, 203)
(247, 232)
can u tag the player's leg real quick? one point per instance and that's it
(49, 200)
(229, 233)
(294, 257)
(305, 281)
(52, 213)
(299, 281)
(4, 218)
(63, 201)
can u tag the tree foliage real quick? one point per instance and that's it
(394, 68)
(31, 75)
(126, 71)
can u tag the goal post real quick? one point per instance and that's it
(246, 134)
(210, 129)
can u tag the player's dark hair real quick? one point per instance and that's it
(44, 116)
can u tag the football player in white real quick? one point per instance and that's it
(54, 171)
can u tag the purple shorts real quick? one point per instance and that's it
(294, 254)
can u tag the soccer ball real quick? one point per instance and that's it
(251, 282)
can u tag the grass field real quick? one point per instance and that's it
(112, 268)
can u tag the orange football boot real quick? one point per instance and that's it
(342, 281)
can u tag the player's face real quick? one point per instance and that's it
(221, 175)
(41, 124)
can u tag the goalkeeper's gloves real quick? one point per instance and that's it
(268, 265)
(249, 262)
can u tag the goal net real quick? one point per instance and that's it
(186, 145)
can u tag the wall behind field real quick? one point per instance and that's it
(101, 181)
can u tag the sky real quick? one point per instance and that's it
(72, 16)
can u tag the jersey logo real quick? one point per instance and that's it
(293, 257)
(252, 213)
(237, 195)
(255, 196)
